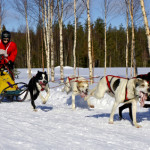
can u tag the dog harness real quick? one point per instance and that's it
(71, 78)
(108, 84)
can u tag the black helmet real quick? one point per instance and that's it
(6, 34)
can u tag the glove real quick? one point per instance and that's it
(10, 65)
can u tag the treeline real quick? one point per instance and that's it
(116, 46)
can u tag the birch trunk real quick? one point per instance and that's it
(52, 43)
(42, 50)
(89, 42)
(2, 12)
(44, 31)
(133, 61)
(28, 43)
(105, 42)
(146, 24)
(60, 16)
(75, 37)
(47, 22)
(127, 44)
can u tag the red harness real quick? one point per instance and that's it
(108, 84)
(72, 79)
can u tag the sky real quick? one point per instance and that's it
(13, 20)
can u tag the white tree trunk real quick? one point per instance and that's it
(43, 20)
(133, 61)
(47, 22)
(146, 24)
(127, 44)
(52, 44)
(75, 37)
(89, 42)
(28, 43)
(105, 40)
(60, 17)
(2, 12)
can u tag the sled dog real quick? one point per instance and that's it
(121, 108)
(124, 90)
(76, 85)
(38, 83)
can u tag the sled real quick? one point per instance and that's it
(10, 90)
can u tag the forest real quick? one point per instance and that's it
(52, 41)
(116, 39)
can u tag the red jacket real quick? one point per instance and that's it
(11, 49)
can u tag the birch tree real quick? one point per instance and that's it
(2, 12)
(28, 42)
(127, 35)
(47, 32)
(43, 20)
(60, 20)
(108, 9)
(133, 60)
(105, 28)
(89, 42)
(52, 42)
(75, 37)
(146, 24)
(22, 7)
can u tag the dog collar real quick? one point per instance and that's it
(42, 89)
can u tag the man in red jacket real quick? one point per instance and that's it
(8, 50)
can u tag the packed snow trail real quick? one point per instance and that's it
(55, 126)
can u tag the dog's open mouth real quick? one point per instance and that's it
(143, 97)
(83, 94)
(43, 85)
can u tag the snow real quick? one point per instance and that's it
(55, 126)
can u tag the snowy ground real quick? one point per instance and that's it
(55, 126)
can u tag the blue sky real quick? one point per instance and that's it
(14, 20)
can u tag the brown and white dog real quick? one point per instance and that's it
(78, 86)
(124, 90)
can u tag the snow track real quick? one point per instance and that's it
(55, 126)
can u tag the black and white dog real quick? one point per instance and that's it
(37, 84)
(121, 108)
(124, 90)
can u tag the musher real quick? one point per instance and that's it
(8, 51)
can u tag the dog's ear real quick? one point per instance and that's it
(148, 74)
(137, 82)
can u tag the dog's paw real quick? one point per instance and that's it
(137, 125)
(91, 106)
(35, 110)
(111, 122)
(44, 102)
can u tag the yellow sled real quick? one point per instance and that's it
(10, 89)
(6, 81)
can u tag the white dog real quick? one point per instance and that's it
(78, 86)
(124, 90)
